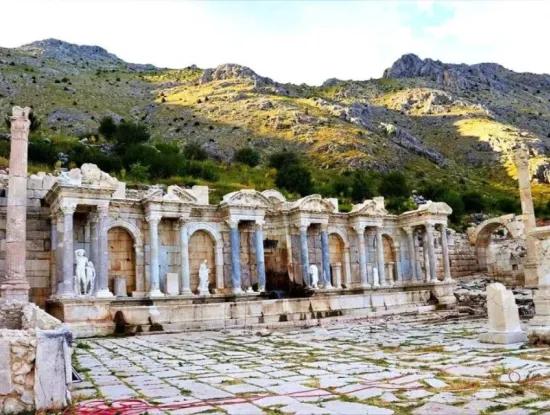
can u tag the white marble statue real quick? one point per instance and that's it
(204, 271)
(84, 277)
(313, 275)
(90, 277)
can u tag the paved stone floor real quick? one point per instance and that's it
(401, 365)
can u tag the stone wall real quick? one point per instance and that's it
(35, 368)
(462, 256)
(38, 234)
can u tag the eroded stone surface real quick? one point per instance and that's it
(394, 365)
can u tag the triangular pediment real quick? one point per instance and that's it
(371, 207)
(178, 194)
(313, 203)
(246, 198)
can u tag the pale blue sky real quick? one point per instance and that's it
(305, 41)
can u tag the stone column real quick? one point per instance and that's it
(347, 268)
(431, 252)
(53, 253)
(153, 219)
(185, 286)
(530, 266)
(15, 284)
(325, 257)
(66, 285)
(94, 243)
(380, 256)
(235, 238)
(412, 253)
(360, 230)
(304, 255)
(260, 260)
(445, 252)
(103, 252)
(337, 271)
(390, 273)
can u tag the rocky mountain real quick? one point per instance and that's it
(431, 120)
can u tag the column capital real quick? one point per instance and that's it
(67, 208)
(359, 229)
(302, 227)
(182, 220)
(102, 210)
(259, 224)
(232, 223)
(429, 226)
(409, 230)
(324, 227)
(153, 218)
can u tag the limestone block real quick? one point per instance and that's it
(504, 326)
(50, 377)
(6, 385)
(120, 287)
(172, 286)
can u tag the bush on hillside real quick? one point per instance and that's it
(193, 151)
(247, 156)
(283, 158)
(107, 127)
(130, 133)
(394, 184)
(362, 187)
(294, 178)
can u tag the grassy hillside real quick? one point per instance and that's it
(461, 140)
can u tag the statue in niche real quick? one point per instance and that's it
(90, 276)
(84, 273)
(314, 275)
(204, 271)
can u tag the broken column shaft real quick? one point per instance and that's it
(15, 284)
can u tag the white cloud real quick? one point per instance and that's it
(298, 42)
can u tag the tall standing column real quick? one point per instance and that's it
(94, 243)
(304, 255)
(431, 252)
(53, 253)
(235, 256)
(15, 284)
(185, 286)
(260, 260)
(103, 252)
(66, 285)
(530, 266)
(445, 252)
(325, 257)
(154, 289)
(380, 256)
(347, 268)
(412, 252)
(360, 230)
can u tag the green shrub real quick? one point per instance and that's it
(139, 172)
(507, 205)
(474, 202)
(394, 184)
(294, 178)
(193, 151)
(107, 127)
(362, 187)
(42, 151)
(454, 200)
(283, 158)
(130, 133)
(247, 156)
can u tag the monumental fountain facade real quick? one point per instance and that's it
(144, 248)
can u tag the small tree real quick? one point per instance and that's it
(107, 127)
(283, 158)
(247, 156)
(193, 151)
(394, 184)
(130, 133)
(294, 178)
(362, 187)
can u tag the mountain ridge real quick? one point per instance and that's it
(424, 117)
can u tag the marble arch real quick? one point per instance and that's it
(135, 233)
(214, 233)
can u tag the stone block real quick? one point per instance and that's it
(6, 385)
(504, 326)
(172, 286)
(120, 287)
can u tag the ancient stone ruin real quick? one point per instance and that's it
(504, 326)
(35, 364)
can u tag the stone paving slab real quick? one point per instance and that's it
(399, 365)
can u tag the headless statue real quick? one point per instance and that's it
(203, 278)
(314, 275)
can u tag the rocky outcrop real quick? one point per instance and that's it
(71, 53)
(233, 71)
(405, 139)
(462, 76)
(542, 172)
